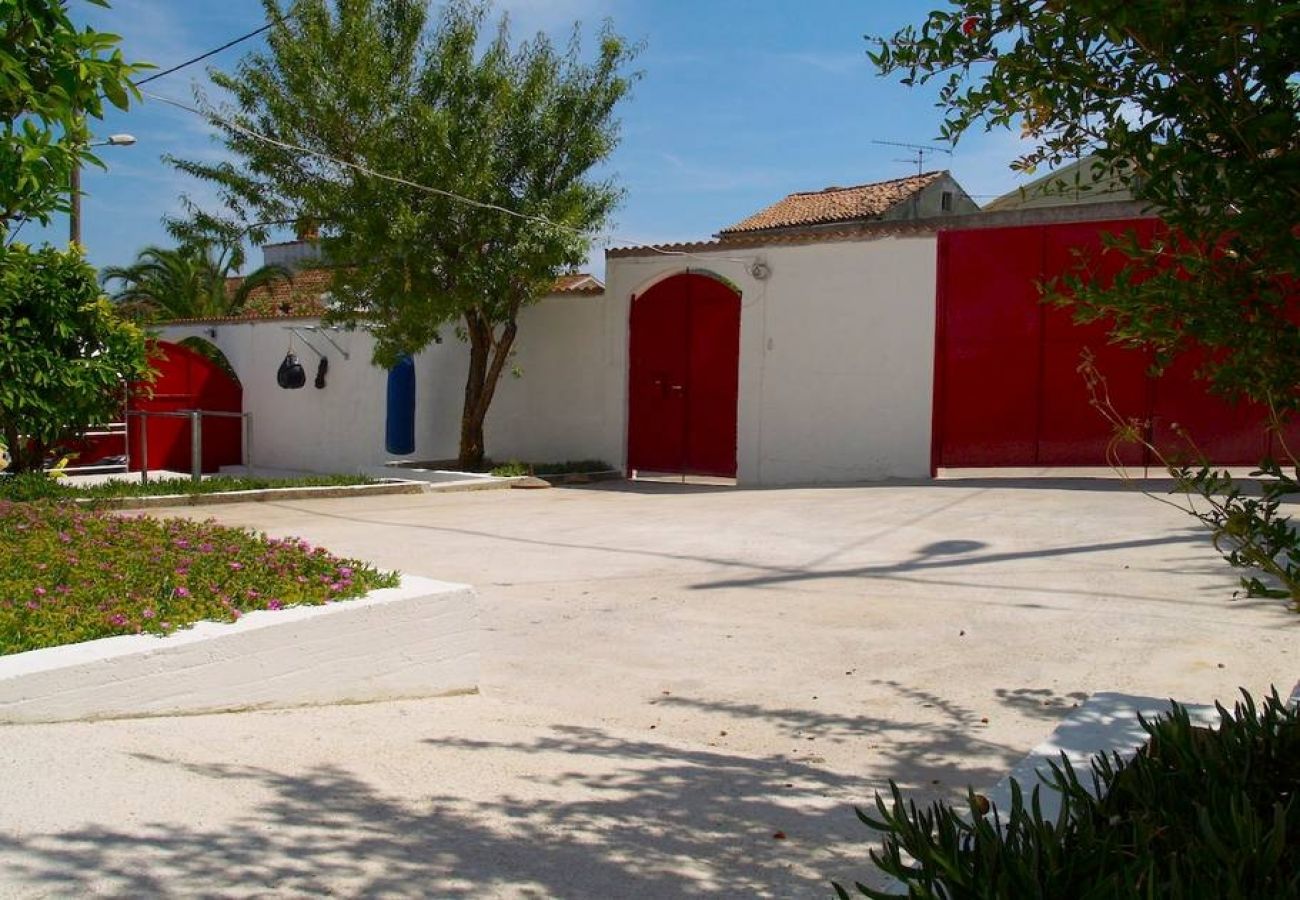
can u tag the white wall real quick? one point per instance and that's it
(836, 372)
(553, 412)
(836, 355)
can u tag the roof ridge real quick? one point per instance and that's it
(854, 187)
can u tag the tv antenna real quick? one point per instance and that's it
(919, 152)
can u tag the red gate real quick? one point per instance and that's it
(684, 377)
(1007, 387)
(185, 380)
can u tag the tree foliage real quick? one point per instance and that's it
(1193, 107)
(353, 88)
(53, 76)
(1190, 105)
(192, 281)
(64, 353)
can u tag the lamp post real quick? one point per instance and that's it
(74, 209)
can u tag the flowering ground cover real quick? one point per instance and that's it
(71, 574)
(37, 486)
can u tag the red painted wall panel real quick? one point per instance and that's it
(1007, 389)
(991, 358)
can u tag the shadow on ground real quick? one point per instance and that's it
(600, 816)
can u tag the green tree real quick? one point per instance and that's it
(353, 88)
(53, 76)
(64, 352)
(1192, 106)
(187, 282)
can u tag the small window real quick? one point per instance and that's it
(945, 201)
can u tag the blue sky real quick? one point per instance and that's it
(740, 103)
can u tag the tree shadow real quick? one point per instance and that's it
(1040, 703)
(577, 812)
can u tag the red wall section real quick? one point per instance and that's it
(185, 380)
(1007, 389)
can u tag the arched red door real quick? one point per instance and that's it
(684, 377)
(185, 380)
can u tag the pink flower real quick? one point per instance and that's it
(345, 572)
(148, 613)
(182, 592)
(274, 604)
(39, 592)
(236, 566)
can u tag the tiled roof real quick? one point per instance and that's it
(834, 204)
(301, 297)
(304, 298)
(861, 232)
(578, 283)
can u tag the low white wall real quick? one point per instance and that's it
(836, 355)
(554, 409)
(416, 640)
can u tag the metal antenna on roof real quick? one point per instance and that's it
(918, 152)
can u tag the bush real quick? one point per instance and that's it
(1196, 814)
(28, 486)
(64, 353)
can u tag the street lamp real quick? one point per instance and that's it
(74, 210)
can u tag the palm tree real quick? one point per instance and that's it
(192, 281)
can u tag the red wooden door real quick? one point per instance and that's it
(684, 377)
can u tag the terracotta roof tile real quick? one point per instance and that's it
(834, 204)
(863, 232)
(304, 298)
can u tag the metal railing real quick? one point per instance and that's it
(196, 436)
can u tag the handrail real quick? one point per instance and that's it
(196, 436)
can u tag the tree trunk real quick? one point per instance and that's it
(488, 353)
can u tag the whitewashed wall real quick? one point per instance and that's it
(836, 372)
(552, 411)
(836, 355)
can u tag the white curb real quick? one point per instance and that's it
(416, 640)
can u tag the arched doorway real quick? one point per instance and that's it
(684, 377)
(186, 378)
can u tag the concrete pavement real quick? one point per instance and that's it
(673, 676)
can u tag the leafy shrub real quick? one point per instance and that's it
(512, 469)
(69, 574)
(217, 484)
(38, 486)
(569, 467)
(29, 486)
(64, 352)
(1196, 814)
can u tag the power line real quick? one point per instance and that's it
(200, 58)
(395, 179)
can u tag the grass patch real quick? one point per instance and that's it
(35, 486)
(71, 574)
(570, 467)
